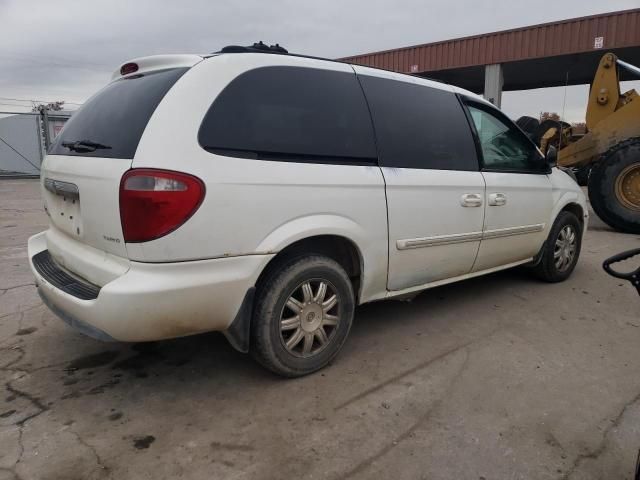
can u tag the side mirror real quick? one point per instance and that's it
(551, 156)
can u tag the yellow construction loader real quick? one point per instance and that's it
(609, 151)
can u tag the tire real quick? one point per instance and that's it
(278, 292)
(604, 189)
(528, 125)
(547, 268)
(582, 175)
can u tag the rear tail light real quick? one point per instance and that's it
(154, 203)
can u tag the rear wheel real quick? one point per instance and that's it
(303, 314)
(561, 250)
(614, 187)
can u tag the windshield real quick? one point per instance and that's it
(111, 122)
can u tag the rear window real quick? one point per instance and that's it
(291, 114)
(116, 116)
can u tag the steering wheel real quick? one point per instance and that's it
(633, 276)
(496, 152)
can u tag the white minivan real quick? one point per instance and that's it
(265, 195)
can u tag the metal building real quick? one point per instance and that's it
(22, 142)
(547, 55)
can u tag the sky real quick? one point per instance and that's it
(67, 49)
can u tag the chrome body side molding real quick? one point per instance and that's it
(467, 237)
(438, 240)
(508, 232)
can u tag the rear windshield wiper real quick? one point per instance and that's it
(85, 146)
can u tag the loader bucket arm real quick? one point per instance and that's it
(611, 117)
(605, 91)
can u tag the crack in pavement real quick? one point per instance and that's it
(19, 348)
(21, 445)
(5, 290)
(21, 353)
(38, 404)
(93, 450)
(602, 446)
(35, 401)
(421, 421)
(12, 471)
(413, 369)
(33, 307)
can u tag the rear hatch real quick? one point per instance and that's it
(85, 164)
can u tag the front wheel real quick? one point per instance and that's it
(302, 316)
(561, 250)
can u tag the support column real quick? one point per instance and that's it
(493, 81)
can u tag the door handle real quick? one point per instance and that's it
(497, 199)
(471, 200)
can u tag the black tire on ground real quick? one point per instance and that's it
(273, 293)
(602, 186)
(547, 268)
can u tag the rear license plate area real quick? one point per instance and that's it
(63, 206)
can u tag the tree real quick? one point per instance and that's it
(579, 127)
(549, 116)
(53, 106)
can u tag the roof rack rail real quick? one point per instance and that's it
(261, 47)
(258, 47)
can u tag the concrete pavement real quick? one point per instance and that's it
(500, 377)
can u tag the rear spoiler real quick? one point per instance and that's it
(155, 62)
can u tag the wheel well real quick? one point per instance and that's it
(576, 210)
(338, 248)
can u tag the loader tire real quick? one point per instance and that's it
(614, 186)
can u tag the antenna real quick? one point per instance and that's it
(564, 104)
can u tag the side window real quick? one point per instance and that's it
(291, 114)
(503, 146)
(419, 126)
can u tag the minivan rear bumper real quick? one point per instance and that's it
(155, 301)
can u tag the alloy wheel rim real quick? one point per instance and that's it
(565, 248)
(309, 317)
